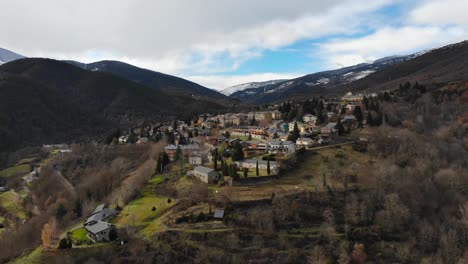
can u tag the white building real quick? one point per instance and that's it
(310, 118)
(304, 142)
(206, 175)
(99, 231)
(262, 164)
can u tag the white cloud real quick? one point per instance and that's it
(178, 37)
(220, 82)
(441, 12)
(207, 40)
(389, 41)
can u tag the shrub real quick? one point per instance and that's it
(64, 243)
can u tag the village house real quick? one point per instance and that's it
(353, 99)
(304, 142)
(195, 160)
(276, 115)
(310, 118)
(100, 214)
(262, 164)
(278, 145)
(300, 126)
(142, 140)
(259, 116)
(348, 119)
(350, 107)
(185, 149)
(328, 130)
(123, 140)
(206, 175)
(99, 231)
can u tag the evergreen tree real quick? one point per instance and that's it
(224, 168)
(215, 158)
(370, 120)
(340, 128)
(268, 166)
(366, 102)
(295, 133)
(257, 170)
(253, 122)
(343, 110)
(178, 154)
(158, 165)
(237, 153)
(164, 161)
(246, 172)
(358, 114)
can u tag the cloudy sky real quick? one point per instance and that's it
(219, 43)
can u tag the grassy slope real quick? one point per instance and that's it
(12, 201)
(16, 170)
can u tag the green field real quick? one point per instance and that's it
(12, 202)
(16, 170)
(79, 234)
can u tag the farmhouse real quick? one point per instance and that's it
(99, 231)
(100, 214)
(206, 175)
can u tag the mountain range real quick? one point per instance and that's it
(314, 84)
(47, 101)
(50, 101)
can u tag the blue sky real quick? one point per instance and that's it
(220, 43)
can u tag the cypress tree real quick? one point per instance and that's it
(257, 170)
(268, 166)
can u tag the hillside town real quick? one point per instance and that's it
(254, 143)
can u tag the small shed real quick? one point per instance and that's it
(218, 214)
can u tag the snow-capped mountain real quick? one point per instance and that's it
(270, 91)
(7, 56)
(252, 85)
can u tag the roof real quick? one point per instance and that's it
(203, 169)
(98, 227)
(98, 208)
(219, 213)
(101, 215)
(330, 125)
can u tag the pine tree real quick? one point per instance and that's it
(178, 154)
